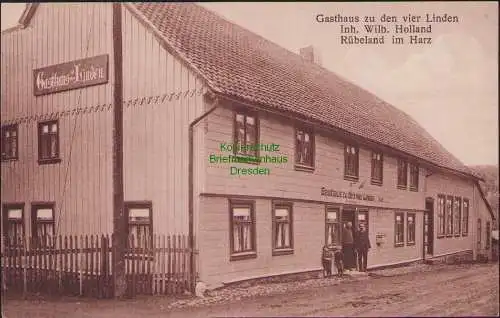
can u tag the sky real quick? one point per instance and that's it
(450, 86)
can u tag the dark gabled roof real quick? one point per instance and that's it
(242, 64)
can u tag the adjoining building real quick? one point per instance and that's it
(343, 154)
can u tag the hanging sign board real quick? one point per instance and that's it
(71, 75)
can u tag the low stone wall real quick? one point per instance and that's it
(455, 258)
(283, 278)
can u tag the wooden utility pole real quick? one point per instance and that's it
(120, 236)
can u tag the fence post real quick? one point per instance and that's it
(80, 261)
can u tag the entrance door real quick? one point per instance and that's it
(429, 228)
(348, 215)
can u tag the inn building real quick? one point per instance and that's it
(188, 72)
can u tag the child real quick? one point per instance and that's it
(326, 258)
(339, 261)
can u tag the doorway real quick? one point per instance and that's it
(348, 215)
(356, 216)
(428, 228)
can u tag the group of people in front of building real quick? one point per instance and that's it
(355, 246)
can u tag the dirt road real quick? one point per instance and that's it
(465, 290)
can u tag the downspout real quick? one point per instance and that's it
(475, 250)
(191, 242)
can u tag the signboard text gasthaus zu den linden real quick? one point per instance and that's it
(71, 75)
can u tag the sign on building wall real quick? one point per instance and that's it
(350, 195)
(71, 75)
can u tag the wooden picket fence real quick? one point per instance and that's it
(82, 265)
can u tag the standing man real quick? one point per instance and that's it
(362, 245)
(348, 247)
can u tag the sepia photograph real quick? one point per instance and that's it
(249, 159)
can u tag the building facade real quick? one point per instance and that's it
(328, 152)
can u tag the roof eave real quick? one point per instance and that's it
(11, 29)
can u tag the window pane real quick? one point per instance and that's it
(281, 213)
(449, 216)
(247, 241)
(54, 128)
(241, 213)
(250, 120)
(236, 237)
(138, 215)
(44, 214)
(240, 118)
(331, 216)
(241, 135)
(45, 129)
(286, 234)
(240, 129)
(15, 214)
(53, 146)
(300, 135)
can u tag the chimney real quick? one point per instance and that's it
(310, 54)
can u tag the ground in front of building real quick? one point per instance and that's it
(439, 290)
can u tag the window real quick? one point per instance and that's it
(441, 216)
(414, 177)
(399, 229)
(282, 229)
(242, 230)
(488, 233)
(13, 223)
(42, 220)
(245, 134)
(449, 216)
(9, 142)
(363, 219)
(48, 142)
(351, 161)
(304, 148)
(457, 207)
(377, 168)
(332, 229)
(402, 174)
(140, 225)
(465, 217)
(410, 228)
